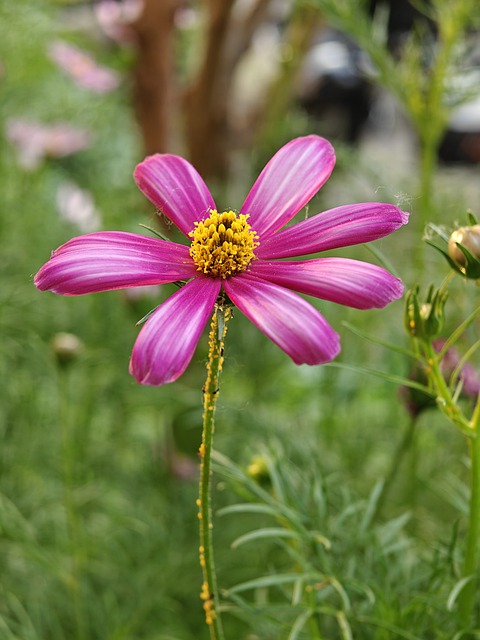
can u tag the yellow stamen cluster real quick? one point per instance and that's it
(223, 244)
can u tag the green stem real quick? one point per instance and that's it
(209, 594)
(445, 399)
(73, 525)
(402, 448)
(466, 599)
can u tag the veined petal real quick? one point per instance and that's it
(288, 182)
(340, 227)
(349, 282)
(288, 320)
(175, 188)
(168, 339)
(113, 260)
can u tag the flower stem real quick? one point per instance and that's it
(209, 592)
(467, 596)
(72, 519)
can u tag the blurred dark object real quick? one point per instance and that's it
(461, 143)
(333, 89)
(402, 16)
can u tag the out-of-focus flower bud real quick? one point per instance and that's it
(425, 320)
(258, 470)
(67, 347)
(460, 248)
(464, 250)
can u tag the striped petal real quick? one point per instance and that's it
(113, 260)
(340, 227)
(288, 320)
(167, 341)
(349, 282)
(288, 182)
(175, 188)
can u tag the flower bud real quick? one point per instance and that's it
(464, 250)
(258, 470)
(66, 347)
(425, 320)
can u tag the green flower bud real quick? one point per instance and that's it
(464, 250)
(425, 320)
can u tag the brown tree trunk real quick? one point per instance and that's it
(153, 76)
(206, 101)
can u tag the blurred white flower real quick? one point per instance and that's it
(35, 141)
(82, 68)
(76, 206)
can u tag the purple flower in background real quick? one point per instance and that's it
(35, 141)
(82, 68)
(238, 255)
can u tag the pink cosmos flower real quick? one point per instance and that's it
(237, 255)
(82, 68)
(35, 141)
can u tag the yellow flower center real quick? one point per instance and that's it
(223, 244)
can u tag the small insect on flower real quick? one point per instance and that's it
(238, 254)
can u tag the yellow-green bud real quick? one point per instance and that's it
(258, 470)
(425, 320)
(462, 242)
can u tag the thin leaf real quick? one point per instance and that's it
(389, 377)
(272, 581)
(457, 589)
(299, 624)
(248, 507)
(384, 343)
(344, 626)
(267, 532)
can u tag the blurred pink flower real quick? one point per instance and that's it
(76, 206)
(82, 68)
(115, 18)
(35, 141)
(238, 261)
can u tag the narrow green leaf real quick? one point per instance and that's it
(267, 532)
(457, 589)
(299, 624)
(273, 581)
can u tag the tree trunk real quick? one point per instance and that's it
(153, 76)
(206, 101)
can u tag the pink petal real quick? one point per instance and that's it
(113, 260)
(167, 342)
(340, 227)
(288, 320)
(175, 188)
(350, 282)
(288, 182)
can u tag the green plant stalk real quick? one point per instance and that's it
(445, 401)
(73, 525)
(466, 598)
(209, 593)
(470, 428)
(401, 450)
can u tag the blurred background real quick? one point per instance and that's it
(98, 475)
